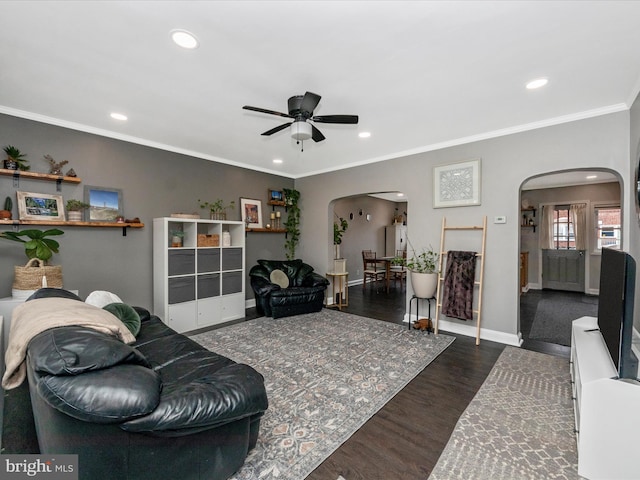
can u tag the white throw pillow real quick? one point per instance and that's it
(100, 298)
(279, 278)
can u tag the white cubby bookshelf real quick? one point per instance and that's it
(200, 283)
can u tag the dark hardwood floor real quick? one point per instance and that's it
(405, 438)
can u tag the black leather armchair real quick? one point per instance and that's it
(298, 289)
(162, 407)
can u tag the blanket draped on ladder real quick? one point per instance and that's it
(457, 297)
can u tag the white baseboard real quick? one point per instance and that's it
(250, 303)
(469, 330)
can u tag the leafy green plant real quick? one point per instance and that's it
(424, 262)
(218, 206)
(292, 225)
(37, 244)
(15, 155)
(74, 205)
(339, 228)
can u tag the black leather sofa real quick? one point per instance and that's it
(302, 291)
(162, 407)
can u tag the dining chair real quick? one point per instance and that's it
(399, 271)
(371, 267)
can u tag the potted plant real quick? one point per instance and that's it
(176, 238)
(292, 225)
(423, 268)
(15, 159)
(6, 213)
(217, 209)
(75, 208)
(39, 249)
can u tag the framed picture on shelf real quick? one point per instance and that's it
(105, 204)
(276, 197)
(251, 211)
(457, 184)
(40, 206)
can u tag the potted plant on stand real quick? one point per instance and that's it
(39, 249)
(75, 208)
(423, 269)
(217, 209)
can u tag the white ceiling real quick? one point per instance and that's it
(421, 75)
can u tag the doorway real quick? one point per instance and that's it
(562, 277)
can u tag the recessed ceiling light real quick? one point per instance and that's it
(399, 194)
(184, 39)
(118, 116)
(277, 160)
(537, 83)
(364, 134)
(591, 177)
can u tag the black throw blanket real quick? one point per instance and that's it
(457, 297)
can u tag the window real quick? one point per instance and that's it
(563, 235)
(608, 226)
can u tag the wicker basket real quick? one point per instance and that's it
(208, 240)
(33, 277)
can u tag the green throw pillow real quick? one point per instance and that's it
(126, 314)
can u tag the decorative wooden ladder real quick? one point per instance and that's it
(479, 277)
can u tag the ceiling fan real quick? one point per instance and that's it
(301, 110)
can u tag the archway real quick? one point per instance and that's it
(601, 192)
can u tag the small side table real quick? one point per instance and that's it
(340, 280)
(417, 299)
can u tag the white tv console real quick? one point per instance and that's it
(607, 409)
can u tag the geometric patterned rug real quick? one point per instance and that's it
(518, 426)
(326, 374)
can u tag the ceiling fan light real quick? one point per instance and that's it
(300, 131)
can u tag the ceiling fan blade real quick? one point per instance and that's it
(316, 134)
(349, 119)
(264, 110)
(309, 102)
(276, 129)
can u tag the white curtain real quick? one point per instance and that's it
(578, 216)
(546, 228)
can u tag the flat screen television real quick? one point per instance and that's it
(615, 309)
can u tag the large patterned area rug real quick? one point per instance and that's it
(518, 426)
(326, 374)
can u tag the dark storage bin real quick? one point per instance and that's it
(182, 262)
(182, 289)
(209, 260)
(208, 285)
(232, 259)
(231, 282)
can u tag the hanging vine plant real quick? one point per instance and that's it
(292, 225)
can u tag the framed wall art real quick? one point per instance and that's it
(276, 197)
(40, 206)
(105, 204)
(457, 184)
(251, 211)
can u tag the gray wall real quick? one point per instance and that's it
(154, 183)
(507, 161)
(594, 194)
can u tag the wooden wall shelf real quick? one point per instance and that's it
(39, 176)
(57, 223)
(267, 230)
